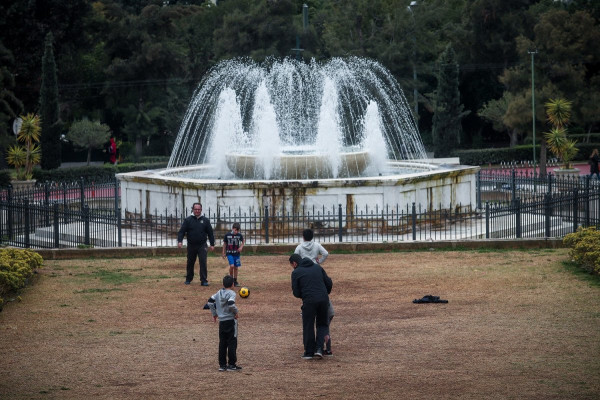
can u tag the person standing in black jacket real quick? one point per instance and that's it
(197, 228)
(311, 284)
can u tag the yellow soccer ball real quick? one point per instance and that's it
(244, 292)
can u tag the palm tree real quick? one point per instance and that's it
(558, 112)
(25, 157)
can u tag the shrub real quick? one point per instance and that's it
(16, 267)
(585, 248)
(92, 173)
(510, 154)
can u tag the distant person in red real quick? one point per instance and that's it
(594, 168)
(112, 151)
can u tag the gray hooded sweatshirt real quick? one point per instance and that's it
(222, 304)
(312, 250)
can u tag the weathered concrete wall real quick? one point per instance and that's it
(154, 192)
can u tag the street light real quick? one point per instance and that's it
(533, 53)
(414, 57)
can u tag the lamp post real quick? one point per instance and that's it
(533, 53)
(414, 58)
(297, 49)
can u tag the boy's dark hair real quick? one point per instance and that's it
(227, 281)
(236, 225)
(295, 258)
(307, 234)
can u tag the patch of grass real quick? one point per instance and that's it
(579, 272)
(115, 277)
(98, 290)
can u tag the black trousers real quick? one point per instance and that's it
(227, 342)
(311, 313)
(197, 251)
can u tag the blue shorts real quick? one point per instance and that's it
(234, 260)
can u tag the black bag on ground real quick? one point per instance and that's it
(430, 299)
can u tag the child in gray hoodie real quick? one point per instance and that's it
(310, 249)
(222, 306)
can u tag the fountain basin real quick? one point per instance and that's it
(299, 166)
(170, 191)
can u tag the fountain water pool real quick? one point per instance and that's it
(288, 135)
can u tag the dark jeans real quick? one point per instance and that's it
(193, 251)
(312, 312)
(227, 342)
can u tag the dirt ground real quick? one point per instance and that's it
(518, 325)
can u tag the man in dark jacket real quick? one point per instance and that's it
(197, 228)
(311, 283)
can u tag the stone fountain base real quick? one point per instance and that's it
(165, 191)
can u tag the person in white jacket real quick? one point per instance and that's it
(310, 249)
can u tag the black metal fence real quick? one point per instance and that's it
(511, 205)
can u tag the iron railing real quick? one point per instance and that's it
(88, 215)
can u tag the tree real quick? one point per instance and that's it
(559, 113)
(10, 105)
(88, 135)
(449, 112)
(151, 54)
(25, 157)
(51, 125)
(495, 111)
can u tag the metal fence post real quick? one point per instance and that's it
(547, 212)
(514, 184)
(549, 183)
(487, 219)
(478, 193)
(517, 205)
(47, 204)
(9, 213)
(86, 223)
(119, 228)
(575, 209)
(66, 215)
(81, 194)
(339, 223)
(56, 225)
(27, 227)
(586, 198)
(116, 194)
(267, 224)
(414, 221)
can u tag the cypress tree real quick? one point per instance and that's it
(51, 125)
(447, 127)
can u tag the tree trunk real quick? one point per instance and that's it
(138, 146)
(89, 157)
(513, 134)
(543, 158)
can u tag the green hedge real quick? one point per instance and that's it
(16, 267)
(517, 154)
(585, 248)
(93, 172)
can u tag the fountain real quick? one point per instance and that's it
(289, 134)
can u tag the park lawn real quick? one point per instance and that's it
(517, 325)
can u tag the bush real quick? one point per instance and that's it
(98, 173)
(16, 267)
(585, 248)
(517, 154)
